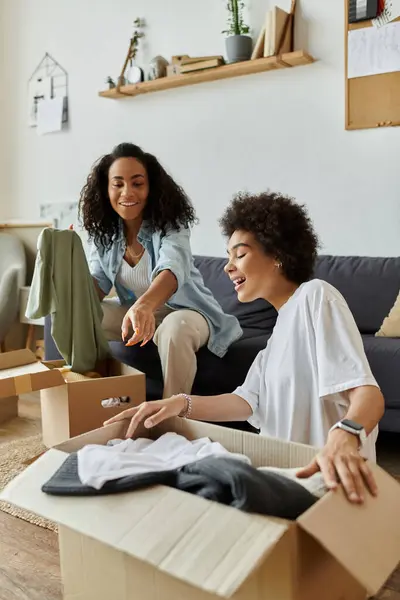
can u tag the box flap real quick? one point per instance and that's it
(261, 450)
(16, 358)
(205, 544)
(21, 373)
(101, 436)
(364, 539)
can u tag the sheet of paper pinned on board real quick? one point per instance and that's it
(372, 51)
(390, 12)
(50, 115)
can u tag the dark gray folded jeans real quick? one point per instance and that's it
(224, 480)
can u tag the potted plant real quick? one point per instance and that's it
(238, 43)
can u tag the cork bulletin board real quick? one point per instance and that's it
(372, 74)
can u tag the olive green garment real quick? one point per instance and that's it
(63, 288)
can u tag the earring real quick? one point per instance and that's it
(278, 265)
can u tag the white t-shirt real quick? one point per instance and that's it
(99, 464)
(315, 353)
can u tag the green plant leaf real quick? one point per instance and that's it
(236, 25)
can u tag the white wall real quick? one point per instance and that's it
(282, 130)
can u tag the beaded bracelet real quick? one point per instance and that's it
(187, 411)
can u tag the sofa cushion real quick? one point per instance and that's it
(369, 285)
(255, 318)
(384, 358)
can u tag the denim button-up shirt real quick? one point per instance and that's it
(168, 252)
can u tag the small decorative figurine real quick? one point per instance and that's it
(111, 83)
(158, 67)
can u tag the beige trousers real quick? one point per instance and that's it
(178, 337)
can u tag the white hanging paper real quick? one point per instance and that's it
(50, 115)
(372, 51)
(38, 90)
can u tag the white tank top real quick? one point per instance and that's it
(137, 280)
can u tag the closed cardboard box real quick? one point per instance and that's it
(68, 408)
(164, 544)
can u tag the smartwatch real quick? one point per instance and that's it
(353, 428)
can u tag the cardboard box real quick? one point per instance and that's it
(164, 544)
(8, 408)
(68, 409)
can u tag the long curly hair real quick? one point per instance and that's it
(281, 226)
(168, 206)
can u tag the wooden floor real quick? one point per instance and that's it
(29, 564)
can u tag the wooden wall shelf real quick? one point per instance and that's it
(291, 59)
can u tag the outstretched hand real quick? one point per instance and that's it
(140, 318)
(340, 463)
(150, 413)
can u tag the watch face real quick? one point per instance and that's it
(352, 424)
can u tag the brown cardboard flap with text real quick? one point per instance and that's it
(21, 373)
(364, 539)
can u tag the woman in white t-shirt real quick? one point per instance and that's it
(312, 384)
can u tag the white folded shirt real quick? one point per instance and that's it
(99, 464)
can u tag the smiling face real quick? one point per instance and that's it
(128, 188)
(254, 274)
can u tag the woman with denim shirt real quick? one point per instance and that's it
(138, 220)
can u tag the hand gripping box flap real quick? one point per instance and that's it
(21, 373)
(208, 545)
(364, 539)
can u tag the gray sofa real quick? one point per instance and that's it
(370, 286)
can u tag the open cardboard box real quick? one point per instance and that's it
(68, 409)
(164, 544)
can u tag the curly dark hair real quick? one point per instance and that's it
(282, 227)
(168, 206)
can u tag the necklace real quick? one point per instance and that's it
(134, 255)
